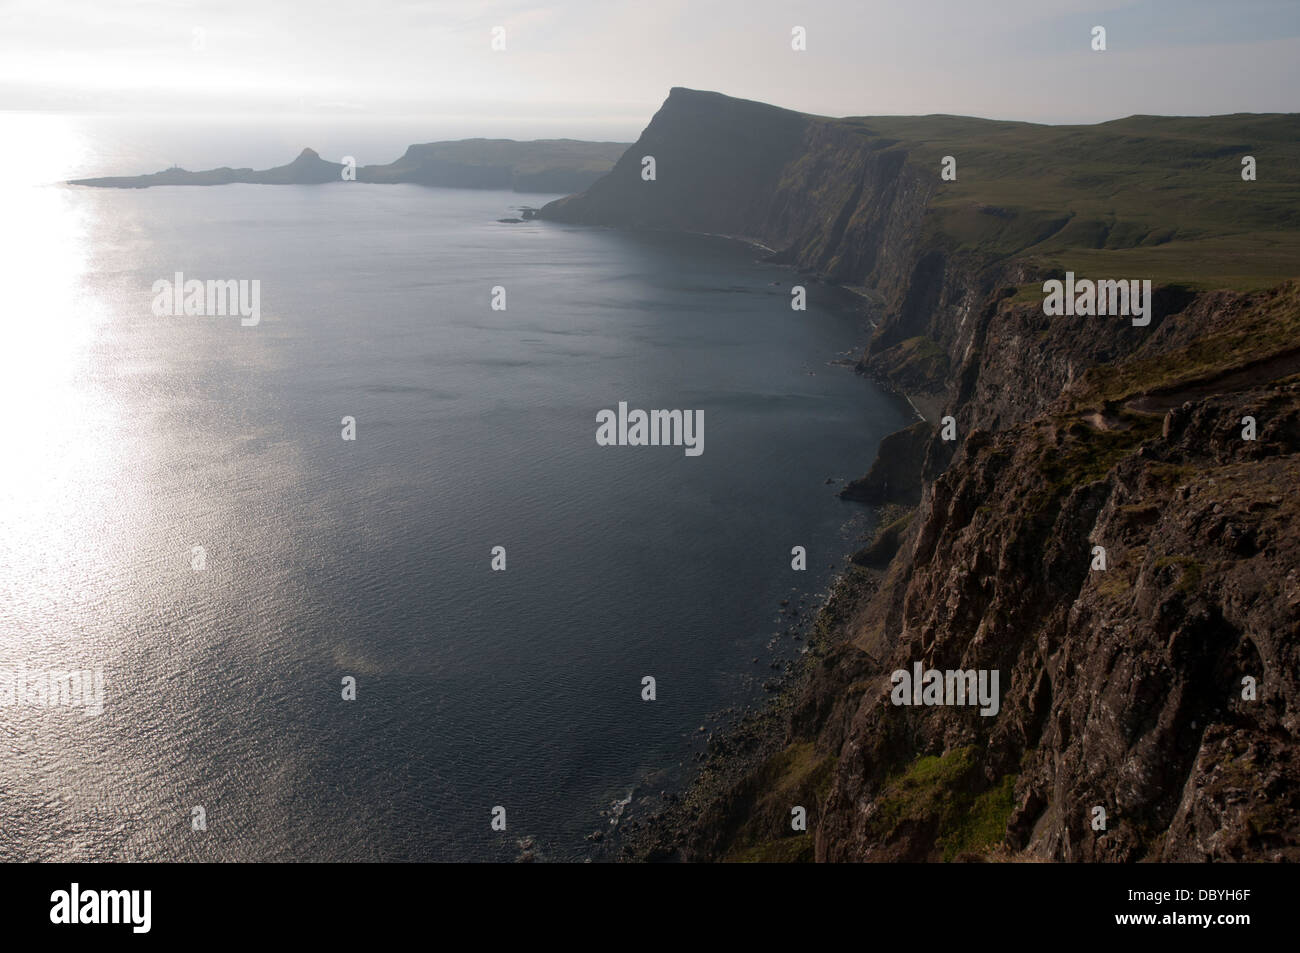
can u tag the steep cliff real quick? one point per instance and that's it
(1104, 530)
(831, 197)
(1123, 687)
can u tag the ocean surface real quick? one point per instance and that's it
(132, 438)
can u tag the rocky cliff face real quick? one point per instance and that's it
(829, 197)
(1160, 689)
(1102, 533)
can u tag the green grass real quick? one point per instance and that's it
(938, 790)
(795, 775)
(985, 824)
(1088, 454)
(1271, 328)
(1189, 571)
(1144, 197)
(795, 768)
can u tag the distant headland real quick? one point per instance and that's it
(542, 165)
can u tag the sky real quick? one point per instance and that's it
(608, 64)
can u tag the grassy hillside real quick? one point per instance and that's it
(1147, 196)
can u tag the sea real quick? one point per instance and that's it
(299, 645)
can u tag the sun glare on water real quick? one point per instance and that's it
(58, 465)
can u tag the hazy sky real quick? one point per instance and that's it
(614, 60)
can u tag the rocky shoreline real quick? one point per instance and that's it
(693, 822)
(726, 773)
(745, 737)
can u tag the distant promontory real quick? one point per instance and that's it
(542, 165)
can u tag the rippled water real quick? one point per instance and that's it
(132, 438)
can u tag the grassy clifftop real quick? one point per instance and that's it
(1142, 197)
(1151, 196)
